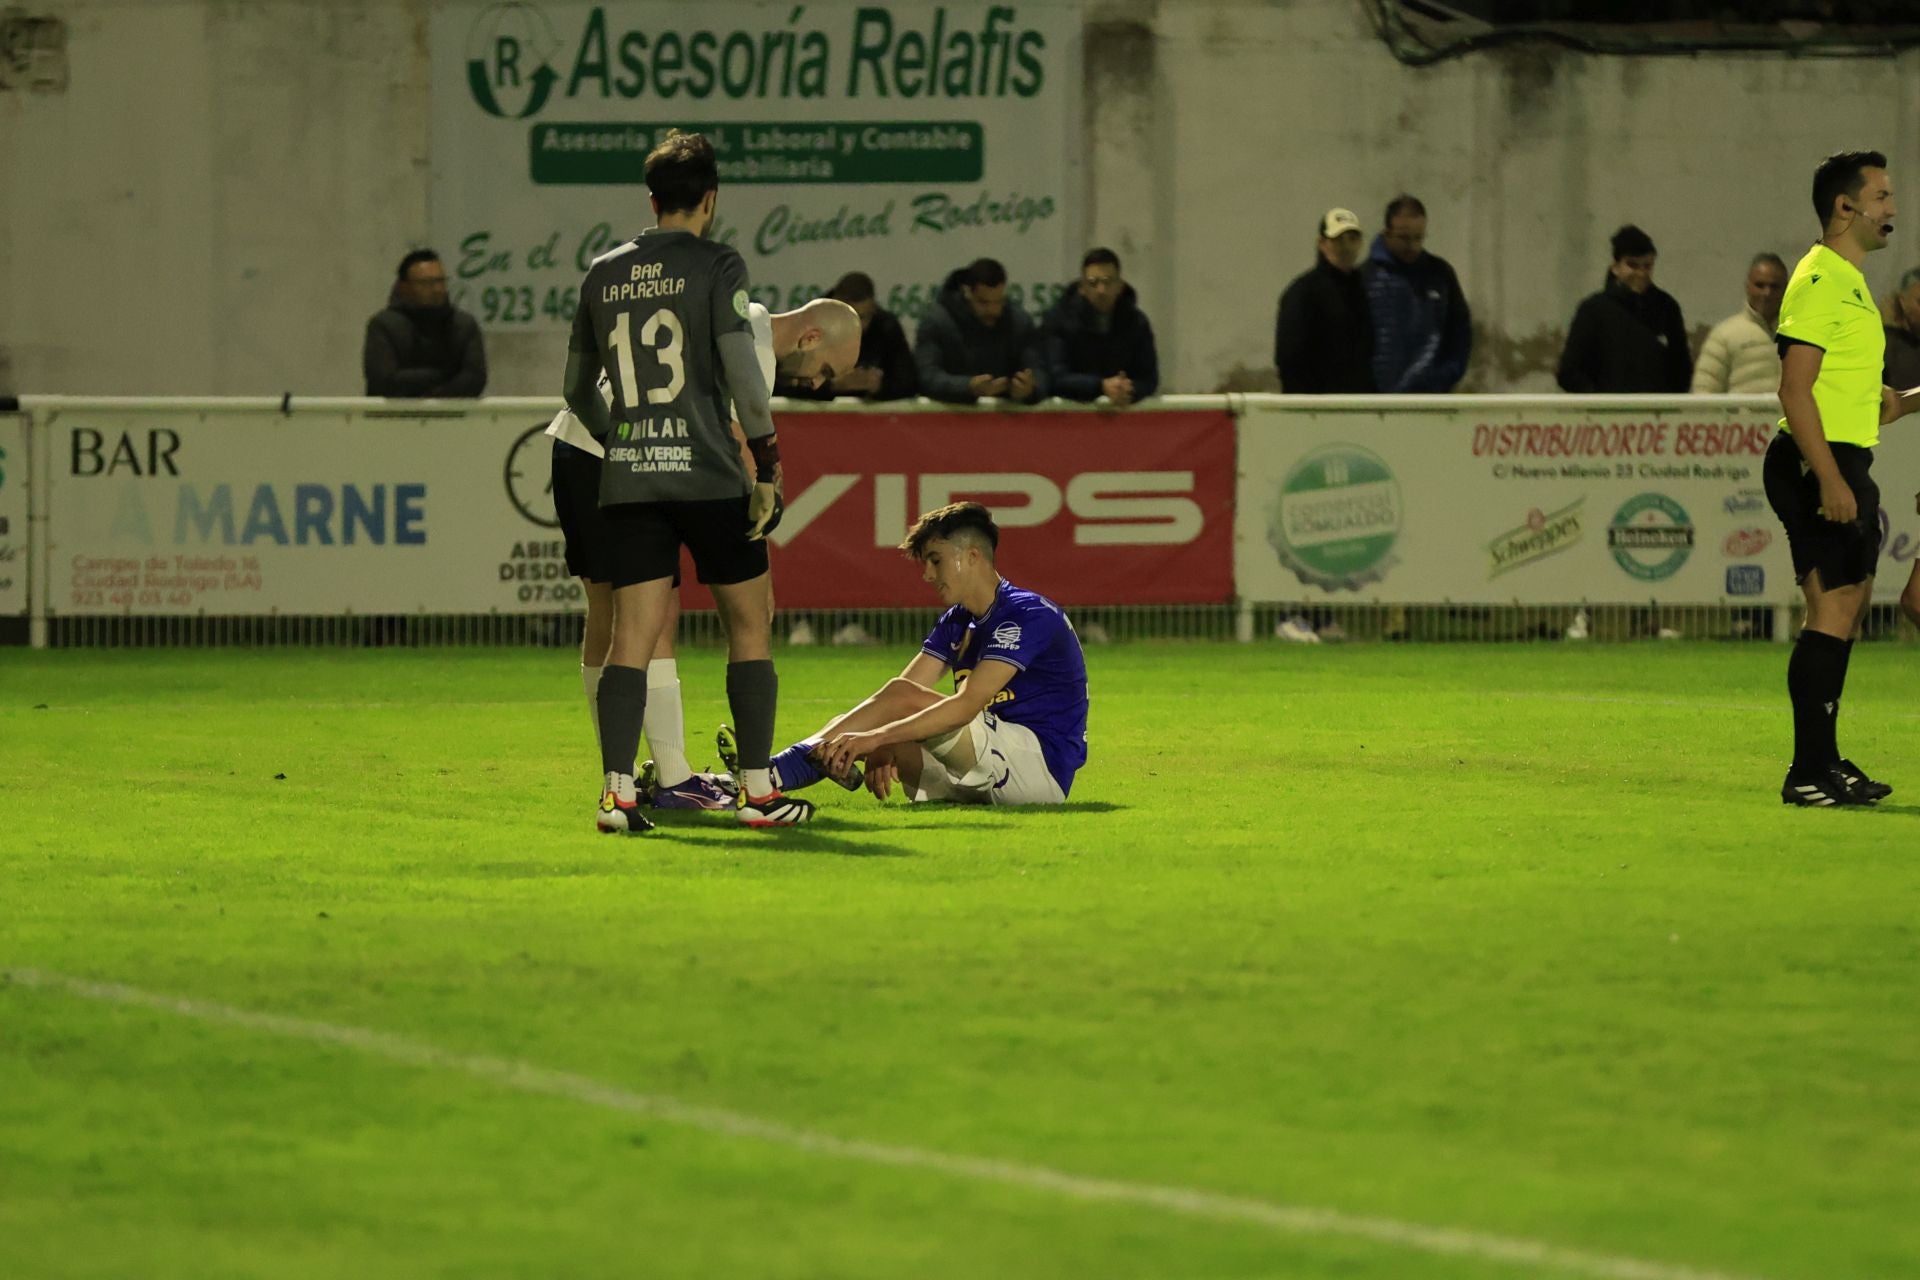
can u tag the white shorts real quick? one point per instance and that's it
(1009, 768)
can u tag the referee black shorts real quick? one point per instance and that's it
(1844, 554)
(576, 500)
(644, 541)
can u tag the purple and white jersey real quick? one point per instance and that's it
(1048, 693)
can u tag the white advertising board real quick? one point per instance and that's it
(314, 513)
(13, 514)
(1530, 503)
(902, 140)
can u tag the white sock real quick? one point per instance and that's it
(665, 723)
(590, 681)
(758, 782)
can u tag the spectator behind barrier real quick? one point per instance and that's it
(1739, 355)
(1422, 330)
(1900, 314)
(1323, 336)
(1098, 341)
(1629, 336)
(422, 345)
(885, 369)
(974, 342)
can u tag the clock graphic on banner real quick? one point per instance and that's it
(529, 476)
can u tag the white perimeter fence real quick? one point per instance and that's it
(1502, 517)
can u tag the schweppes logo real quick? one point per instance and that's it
(1545, 533)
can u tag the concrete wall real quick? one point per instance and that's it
(213, 202)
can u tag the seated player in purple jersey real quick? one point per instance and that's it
(1014, 731)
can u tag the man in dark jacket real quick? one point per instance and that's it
(422, 345)
(1630, 335)
(1097, 340)
(885, 369)
(1422, 332)
(974, 342)
(1323, 339)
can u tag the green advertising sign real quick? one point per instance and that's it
(902, 140)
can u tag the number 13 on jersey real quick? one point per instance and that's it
(670, 355)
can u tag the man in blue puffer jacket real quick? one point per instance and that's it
(1422, 330)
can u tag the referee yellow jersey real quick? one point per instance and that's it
(1827, 305)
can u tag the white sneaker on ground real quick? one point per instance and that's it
(852, 634)
(1296, 630)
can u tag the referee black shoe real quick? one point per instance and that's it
(1819, 789)
(1866, 788)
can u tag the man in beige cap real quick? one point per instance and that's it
(1323, 339)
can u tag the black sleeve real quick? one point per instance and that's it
(1578, 371)
(1145, 368)
(1033, 356)
(935, 382)
(898, 380)
(380, 362)
(471, 378)
(581, 386)
(1293, 342)
(1679, 354)
(1068, 382)
(1456, 341)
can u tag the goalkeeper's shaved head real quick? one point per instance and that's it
(965, 524)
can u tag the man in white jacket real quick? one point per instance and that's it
(1739, 356)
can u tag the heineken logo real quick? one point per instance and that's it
(509, 52)
(1651, 537)
(1543, 534)
(1336, 518)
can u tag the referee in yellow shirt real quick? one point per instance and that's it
(1817, 476)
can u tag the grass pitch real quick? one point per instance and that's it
(1503, 940)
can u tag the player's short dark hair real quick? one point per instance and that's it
(1403, 205)
(984, 273)
(955, 522)
(681, 170)
(413, 260)
(1631, 242)
(1770, 258)
(1841, 174)
(1100, 258)
(855, 286)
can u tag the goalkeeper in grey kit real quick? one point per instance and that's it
(666, 316)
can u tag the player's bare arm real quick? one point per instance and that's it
(1895, 405)
(839, 752)
(1798, 370)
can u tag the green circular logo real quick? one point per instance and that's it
(509, 51)
(1651, 536)
(1337, 518)
(740, 303)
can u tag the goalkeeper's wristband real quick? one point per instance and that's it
(766, 458)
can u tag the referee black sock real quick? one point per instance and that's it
(752, 692)
(1815, 675)
(623, 707)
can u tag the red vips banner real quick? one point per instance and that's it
(1093, 508)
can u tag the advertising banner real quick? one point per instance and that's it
(13, 514)
(902, 140)
(1530, 504)
(1131, 508)
(233, 513)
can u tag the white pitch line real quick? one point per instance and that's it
(1185, 1201)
